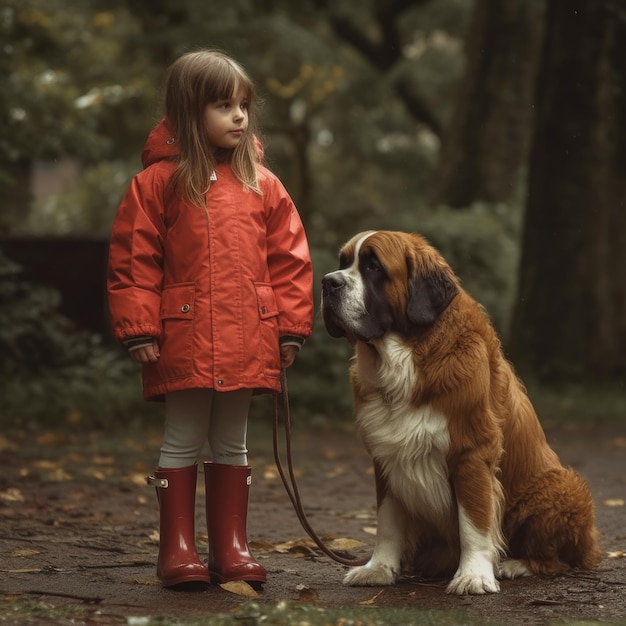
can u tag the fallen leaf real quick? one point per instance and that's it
(51, 439)
(618, 554)
(240, 588)
(373, 599)
(74, 457)
(29, 570)
(370, 530)
(306, 547)
(59, 475)
(344, 543)
(307, 594)
(97, 474)
(25, 552)
(297, 546)
(74, 417)
(261, 545)
(138, 479)
(337, 471)
(45, 464)
(364, 514)
(614, 502)
(330, 454)
(150, 581)
(6, 445)
(12, 494)
(103, 460)
(270, 472)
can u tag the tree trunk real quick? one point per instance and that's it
(486, 145)
(570, 319)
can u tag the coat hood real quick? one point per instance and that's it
(161, 144)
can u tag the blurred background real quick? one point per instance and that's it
(496, 128)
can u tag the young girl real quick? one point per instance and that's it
(210, 289)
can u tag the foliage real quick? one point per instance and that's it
(82, 81)
(50, 371)
(482, 246)
(340, 128)
(318, 381)
(68, 91)
(481, 243)
(101, 188)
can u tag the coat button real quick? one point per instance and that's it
(185, 308)
(263, 310)
(220, 382)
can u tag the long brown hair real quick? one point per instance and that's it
(194, 80)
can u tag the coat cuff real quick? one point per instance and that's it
(134, 343)
(292, 340)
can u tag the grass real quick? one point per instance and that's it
(33, 612)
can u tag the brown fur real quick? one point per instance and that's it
(500, 465)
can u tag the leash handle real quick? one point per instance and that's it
(291, 486)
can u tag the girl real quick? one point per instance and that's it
(210, 289)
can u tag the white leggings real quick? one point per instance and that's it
(193, 416)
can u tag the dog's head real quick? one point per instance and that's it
(386, 281)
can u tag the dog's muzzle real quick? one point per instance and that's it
(333, 285)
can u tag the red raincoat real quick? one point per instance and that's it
(216, 286)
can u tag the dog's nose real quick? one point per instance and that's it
(333, 281)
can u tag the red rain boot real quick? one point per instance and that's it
(227, 488)
(178, 558)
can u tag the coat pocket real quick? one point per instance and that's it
(268, 316)
(177, 314)
(177, 301)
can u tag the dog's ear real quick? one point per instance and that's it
(429, 295)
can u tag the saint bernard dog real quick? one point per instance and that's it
(467, 486)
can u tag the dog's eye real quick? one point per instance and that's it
(373, 265)
(343, 261)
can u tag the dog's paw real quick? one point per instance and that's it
(513, 568)
(370, 575)
(473, 583)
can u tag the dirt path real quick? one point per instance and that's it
(78, 527)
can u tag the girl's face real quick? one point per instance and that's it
(226, 121)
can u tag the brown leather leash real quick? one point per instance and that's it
(290, 483)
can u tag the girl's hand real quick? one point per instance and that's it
(287, 355)
(147, 354)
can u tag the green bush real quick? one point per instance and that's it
(319, 387)
(49, 370)
(481, 244)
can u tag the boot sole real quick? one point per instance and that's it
(191, 580)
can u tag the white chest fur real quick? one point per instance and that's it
(409, 442)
